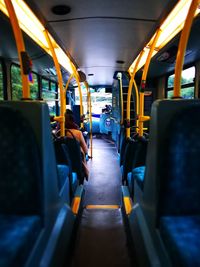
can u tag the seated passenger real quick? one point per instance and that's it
(72, 130)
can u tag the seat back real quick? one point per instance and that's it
(74, 152)
(172, 164)
(129, 154)
(63, 158)
(134, 155)
(139, 158)
(20, 168)
(180, 185)
(37, 114)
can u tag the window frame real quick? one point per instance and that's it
(184, 86)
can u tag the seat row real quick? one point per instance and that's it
(36, 218)
(164, 218)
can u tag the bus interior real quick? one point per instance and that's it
(128, 72)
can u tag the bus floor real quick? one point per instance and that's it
(101, 238)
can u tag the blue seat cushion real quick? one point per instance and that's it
(181, 236)
(17, 237)
(74, 182)
(130, 183)
(138, 175)
(63, 174)
(64, 182)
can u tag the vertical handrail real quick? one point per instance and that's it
(128, 105)
(90, 116)
(20, 47)
(182, 47)
(67, 85)
(119, 76)
(81, 102)
(76, 76)
(60, 84)
(143, 118)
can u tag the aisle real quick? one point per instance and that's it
(104, 182)
(101, 238)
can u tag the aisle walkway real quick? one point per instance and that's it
(104, 183)
(101, 239)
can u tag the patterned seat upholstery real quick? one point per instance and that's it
(20, 188)
(179, 198)
(181, 236)
(18, 234)
(170, 201)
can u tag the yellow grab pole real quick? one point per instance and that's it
(137, 103)
(143, 118)
(128, 105)
(121, 98)
(81, 102)
(76, 76)
(66, 87)
(90, 116)
(182, 47)
(60, 84)
(20, 46)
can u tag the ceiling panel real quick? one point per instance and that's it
(98, 33)
(98, 43)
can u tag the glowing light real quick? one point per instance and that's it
(172, 25)
(30, 24)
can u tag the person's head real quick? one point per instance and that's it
(69, 111)
(69, 120)
(69, 116)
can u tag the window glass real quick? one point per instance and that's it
(34, 86)
(99, 99)
(16, 84)
(53, 86)
(187, 93)
(50, 96)
(187, 84)
(1, 83)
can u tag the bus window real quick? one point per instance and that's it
(49, 94)
(53, 87)
(187, 84)
(1, 83)
(34, 86)
(99, 99)
(16, 84)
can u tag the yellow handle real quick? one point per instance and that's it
(20, 46)
(143, 82)
(128, 106)
(182, 47)
(60, 84)
(90, 115)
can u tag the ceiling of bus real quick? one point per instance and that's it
(98, 33)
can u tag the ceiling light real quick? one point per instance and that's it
(172, 25)
(30, 24)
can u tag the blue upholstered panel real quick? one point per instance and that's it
(63, 174)
(138, 175)
(181, 236)
(74, 182)
(130, 183)
(17, 237)
(19, 165)
(180, 181)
